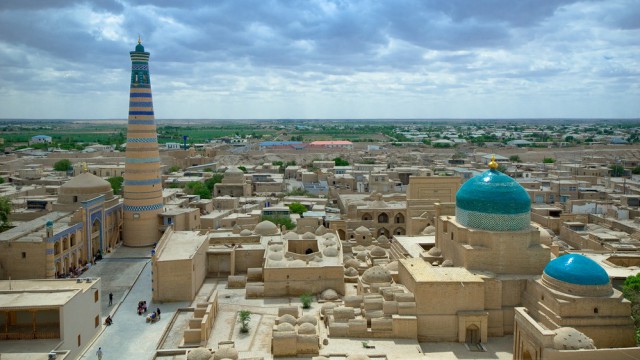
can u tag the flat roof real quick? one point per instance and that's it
(423, 272)
(181, 245)
(40, 293)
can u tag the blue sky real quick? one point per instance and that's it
(323, 59)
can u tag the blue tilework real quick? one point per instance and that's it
(112, 209)
(140, 104)
(91, 202)
(576, 269)
(493, 222)
(68, 231)
(143, 208)
(142, 182)
(142, 160)
(142, 140)
(140, 95)
(139, 67)
(140, 112)
(142, 122)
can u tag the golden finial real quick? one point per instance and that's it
(493, 164)
(139, 41)
(84, 167)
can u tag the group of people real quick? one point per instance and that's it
(142, 307)
(108, 321)
(154, 316)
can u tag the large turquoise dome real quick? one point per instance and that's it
(576, 269)
(493, 201)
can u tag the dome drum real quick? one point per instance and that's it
(578, 275)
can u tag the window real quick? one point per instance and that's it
(96, 297)
(97, 321)
(24, 255)
(79, 340)
(595, 310)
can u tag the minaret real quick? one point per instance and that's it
(142, 182)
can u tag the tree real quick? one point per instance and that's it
(514, 158)
(116, 183)
(631, 291)
(280, 220)
(297, 208)
(244, 169)
(63, 165)
(617, 170)
(174, 168)
(198, 188)
(244, 316)
(635, 170)
(1, 180)
(5, 210)
(502, 168)
(548, 160)
(341, 162)
(212, 181)
(306, 300)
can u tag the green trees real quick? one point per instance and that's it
(635, 171)
(280, 220)
(5, 210)
(306, 300)
(297, 208)
(617, 170)
(548, 160)
(198, 188)
(341, 162)
(631, 291)
(514, 158)
(116, 183)
(63, 165)
(212, 181)
(244, 316)
(174, 168)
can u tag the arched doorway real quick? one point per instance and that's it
(366, 217)
(96, 237)
(399, 219)
(342, 234)
(383, 231)
(383, 218)
(526, 355)
(398, 231)
(473, 335)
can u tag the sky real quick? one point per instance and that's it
(323, 59)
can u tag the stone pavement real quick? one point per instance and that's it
(130, 336)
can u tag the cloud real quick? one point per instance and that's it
(325, 58)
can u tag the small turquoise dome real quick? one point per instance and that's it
(139, 48)
(576, 269)
(493, 201)
(49, 223)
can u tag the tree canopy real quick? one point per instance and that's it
(198, 188)
(116, 183)
(63, 165)
(340, 162)
(5, 210)
(297, 208)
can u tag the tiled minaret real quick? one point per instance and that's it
(142, 182)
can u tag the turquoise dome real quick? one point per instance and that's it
(139, 48)
(576, 269)
(493, 201)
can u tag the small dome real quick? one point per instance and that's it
(434, 251)
(429, 230)
(576, 269)
(226, 353)
(568, 338)
(377, 274)
(362, 256)
(358, 248)
(377, 251)
(351, 272)
(330, 252)
(382, 240)
(309, 236)
(307, 319)
(447, 263)
(199, 354)
(297, 263)
(306, 329)
(285, 327)
(49, 223)
(317, 259)
(246, 232)
(352, 263)
(329, 236)
(329, 295)
(139, 47)
(275, 248)
(363, 231)
(275, 256)
(233, 170)
(329, 242)
(287, 318)
(392, 266)
(493, 201)
(266, 228)
(321, 230)
(291, 235)
(85, 183)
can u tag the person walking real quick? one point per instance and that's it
(99, 353)
(110, 298)
(158, 313)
